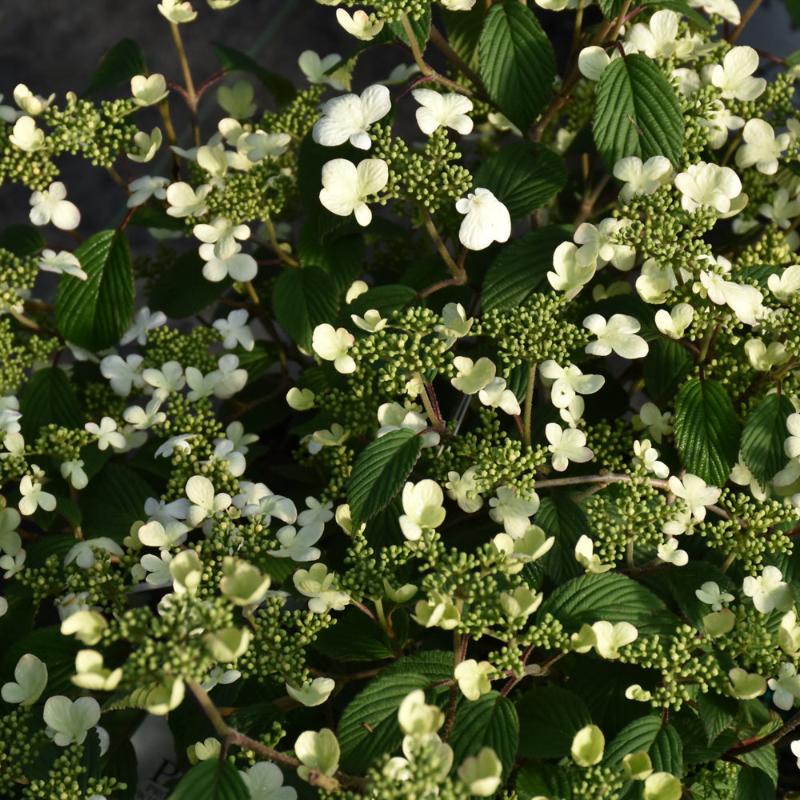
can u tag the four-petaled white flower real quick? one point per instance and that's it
(359, 24)
(597, 244)
(147, 90)
(496, 394)
(472, 375)
(298, 545)
(68, 721)
(568, 383)
(26, 135)
(641, 178)
(761, 147)
(610, 637)
(710, 594)
(317, 69)
(62, 263)
(30, 680)
(695, 492)
(768, 591)
(570, 272)
(264, 781)
(106, 434)
(566, 444)
(346, 187)
(673, 323)
(185, 201)
(744, 300)
(512, 511)
(205, 502)
(659, 37)
(473, 678)
(348, 117)
(709, 185)
(670, 553)
(486, 220)
(423, 508)
(51, 205)
(443, 110)
(333, 344)
(142, 189)
(617, 334)
(235, 330)
(33, 495)
(786, 687)
(734, 77)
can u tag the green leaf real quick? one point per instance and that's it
(666, 752)
(716, 713)
(549, 719)
(753, 784)
(524, 175)
(611, 597)
(765, 760)
(561, 517)
(521, 268)
(636, 112)
(211, 780)
(232, 60)
(664, 369)
(341, 254)
(303, 299)
(692, 14)
(115, 501)
(464, 31)
(536, 780)
(94, 313)
(517, 62)
(124, 60)
(22, 240)
(380, 472)
(180, 290)
(368, 726)
(421, 27)
(706, 431)
(386, 299)
(489, 721)
(48, 397)
(47, 644)
(638, 736)
(354, 637)
(763, 436)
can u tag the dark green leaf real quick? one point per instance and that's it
(354, 637)
(94, 313)
(536, 780)
(303, 299)
(636, 112)
(521, 268)
(664, 369)
(525, 176)
(637, 737)
(47, 644)
(232, 60)
(420, 25)
(753, 784)
(464, 32)
(387, 298)
(763, 436)
(180, 290)
(517, 63)
(549, 718)
(341, 254)
(21, 240)
(124, 60)
(48, 397)
(115, 502)
(561, 517)
(211, 780)
(765, 760)
(380, 472)
(706, 431)
(489, 721)
(716, 713)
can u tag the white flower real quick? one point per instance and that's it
(235, 330)
(566, 444)
(570, 272)
(9, 414)
(472, 375)
(33, 495)
(228, 378)
(144, 321)
(727, 9)
(205, 503)
(486, 220)
(464, 490)
(642, 178)
(454, 324)
(592, 62)
(348, 117)
(299, 546)
(482, 774)
(710, 594)
(179, 442)
(30, 676)
(705, 184)
(62, 263)
(647, 455)
(598, 245)
(520, 550)
(587, 558)
(609, 638)
(106, 434)
(655, 282)
(422, 507)
(371, 322)
(761, 148)
(618, 334)
(786, 284)
(786, 687)
(512, 511)
(264, 781)
(300, 399)
(734, 76)
(147, 145)
(356, 289)
(791, 445)
(239, 266)
(795, 748)
(673, 323)
(26, 136)
(346, 187)
(142, 189)
(166, 380)
(359, 24)
(695, 492)
(10, 540)
(177, 11)
(184, 201)
(568, 382)
(768, 591)
(781, 210)
(318, 584)
(51, 205)
(83, 553)
(496, 395)
(458, 5)
(143, 419)
(332, 344)
(29, 102)
(157, 568)
(719, 122)
(393, 416)
(670, 553)
(74, 472)
(316, 69)
(147, 90)
(659, 38)
(442, 110)
(473, 678)
(68, 721)
(744, 300)
(764, 357)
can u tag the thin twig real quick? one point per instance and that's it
(191, 94)
(749, 11)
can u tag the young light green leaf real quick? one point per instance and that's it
(636, 112)
(517, 62)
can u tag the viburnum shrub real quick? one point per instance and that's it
(431, 437)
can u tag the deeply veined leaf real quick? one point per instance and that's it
(124, 60)
(706, 430)
(561, 517)
(753, 784)
(525, 176)
(517, 63)
(420, 25)
(763, 436)
(94, 313)
(636, 112)
(303, 299)
(48, 397)
(213, 779)
(611, 597)
(549, 719)
(636, 737)
(664, 368)
(464, 31)
(380, 472)
(489, 721)
(521, 268)
(21, 240)
(368, 726)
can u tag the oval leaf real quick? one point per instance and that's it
(489, 721)
(211, 780)
(303, 299)
(763, 437)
